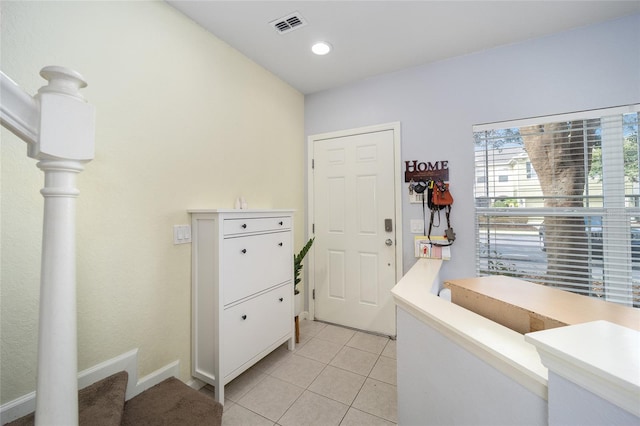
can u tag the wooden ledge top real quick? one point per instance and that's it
(563, 306)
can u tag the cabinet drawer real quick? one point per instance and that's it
(245, 226)
(255, 263)
(252, 326)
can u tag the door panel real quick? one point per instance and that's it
(337, 273)
(369, 279)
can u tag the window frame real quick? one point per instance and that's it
(613, 212)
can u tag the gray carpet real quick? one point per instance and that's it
(171, 402)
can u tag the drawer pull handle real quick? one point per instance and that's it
(280, 223)
(243, 251)
(280, 244)
(281, 299)
(244, 317)
(244, 226)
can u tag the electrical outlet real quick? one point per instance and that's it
(181, 234)
(417, 226)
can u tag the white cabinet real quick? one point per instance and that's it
(242, 290)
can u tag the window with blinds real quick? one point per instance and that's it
(558, 202)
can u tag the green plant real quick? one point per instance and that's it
(505, 202)
(297, 264)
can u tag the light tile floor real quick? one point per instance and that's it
(335, 376)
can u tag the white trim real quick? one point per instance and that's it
(572, 116)
(311, 285)
(599, 356)
(128, 362)
(398, 181)
(152, 379)
(17, 408)
(196, 384)
(19, 112)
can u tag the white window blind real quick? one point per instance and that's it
(558, 202)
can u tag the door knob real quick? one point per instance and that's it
(388, 242)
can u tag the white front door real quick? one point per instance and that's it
(355, 217)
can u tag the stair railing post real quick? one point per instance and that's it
(57, 381)
(65, 143)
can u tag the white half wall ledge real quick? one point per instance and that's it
(601, 357)
(504, 349)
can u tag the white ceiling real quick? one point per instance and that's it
(376, 37)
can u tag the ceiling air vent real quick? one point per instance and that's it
(288, 23)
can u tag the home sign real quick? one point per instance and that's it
(423, 171)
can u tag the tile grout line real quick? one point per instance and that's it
(324, 396)
(368, 376)
(271, 370)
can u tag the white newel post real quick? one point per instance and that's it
(65, 143)
(57, 385)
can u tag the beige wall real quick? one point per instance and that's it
(183, 121)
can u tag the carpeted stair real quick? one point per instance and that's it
(170, 402)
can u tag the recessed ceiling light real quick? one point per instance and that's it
(321, 48)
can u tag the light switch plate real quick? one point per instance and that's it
(181, 234)
(417, 226)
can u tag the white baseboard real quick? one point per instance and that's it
(128, 362)
(17, 408)
(152, 379)
(196, 384)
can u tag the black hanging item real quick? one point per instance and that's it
(421, 188)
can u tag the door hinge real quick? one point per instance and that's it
(313, 163)
(313, 228)
(313, 294)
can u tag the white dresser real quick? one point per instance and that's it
(242, 290)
